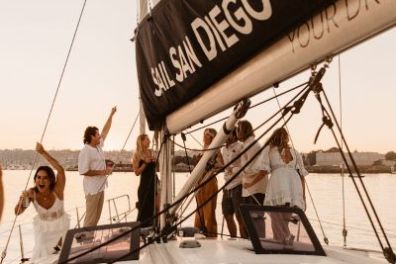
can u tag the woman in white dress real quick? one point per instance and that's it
(286, 186)
(51, 222)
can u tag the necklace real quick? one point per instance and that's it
(46, 198)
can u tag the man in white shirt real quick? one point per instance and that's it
(232, 194)
(255, 177)
(91, 164)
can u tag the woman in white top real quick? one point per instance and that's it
(254, 178)
(51, 222)
(286, 184)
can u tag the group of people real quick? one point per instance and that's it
(285, 187)
(272, 176)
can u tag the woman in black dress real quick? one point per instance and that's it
(144, 165)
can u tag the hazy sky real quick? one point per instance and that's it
(34, 40)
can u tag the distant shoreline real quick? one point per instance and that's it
(337, 169)
(328, 169)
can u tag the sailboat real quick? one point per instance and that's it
(211, 55)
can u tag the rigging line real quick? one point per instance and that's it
(304, 90)
(325, 239)
(358, 173)
(344, 230)
(365, 230)
(252, 106)
(196, 150)
(47, 121)
(130, 133)
(195, 139)
(388, 252)
(212, 195)
(258, 127)
(197, 187)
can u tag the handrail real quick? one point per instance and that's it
(113, 200)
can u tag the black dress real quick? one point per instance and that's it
(146, 191)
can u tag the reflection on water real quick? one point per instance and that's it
(325, 188)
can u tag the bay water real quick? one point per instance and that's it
(325, 189)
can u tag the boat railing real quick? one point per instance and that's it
(115, 216)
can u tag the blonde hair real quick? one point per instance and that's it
(139, 146)
(277, 139)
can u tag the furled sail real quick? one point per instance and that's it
(183, 47)
(190, 53)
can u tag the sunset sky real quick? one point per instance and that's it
(35, 37)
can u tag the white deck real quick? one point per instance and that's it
(240, 251)
(218, 251)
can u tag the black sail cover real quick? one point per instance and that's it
(184, 46)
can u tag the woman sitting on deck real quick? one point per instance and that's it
(51, 222)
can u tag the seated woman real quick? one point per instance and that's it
(51, 222)
(286, 184)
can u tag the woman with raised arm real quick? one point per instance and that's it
(51, 223)
(144, 165)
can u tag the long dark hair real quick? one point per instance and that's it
(89, 133)
(245, 128)
(51, 175)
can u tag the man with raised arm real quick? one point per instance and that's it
(92, 165)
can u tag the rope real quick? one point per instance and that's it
(196, 150)
(129, 134)
(196, 140)
(387, 251)
(4, 253)
(344, 230)
(252, 106)
(325, 239)
(224, 118)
